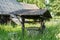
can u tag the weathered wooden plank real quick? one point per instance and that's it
(32, 28)
(8, 6)
(23, 26)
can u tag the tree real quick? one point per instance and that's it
(55, 7)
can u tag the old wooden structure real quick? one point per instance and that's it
(24, 11)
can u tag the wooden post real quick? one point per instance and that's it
(42, 25)
(23, 27)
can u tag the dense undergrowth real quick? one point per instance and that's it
(52, 32)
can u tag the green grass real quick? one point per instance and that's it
(52, 32)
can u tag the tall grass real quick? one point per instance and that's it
(52, 32)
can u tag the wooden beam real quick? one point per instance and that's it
(30, 21)
(23, 26)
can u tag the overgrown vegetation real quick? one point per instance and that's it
(52, 32)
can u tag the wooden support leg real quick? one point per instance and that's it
(42, 25)
(23, 27)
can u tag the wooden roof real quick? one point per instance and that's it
(9, 6)
(14, 7)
